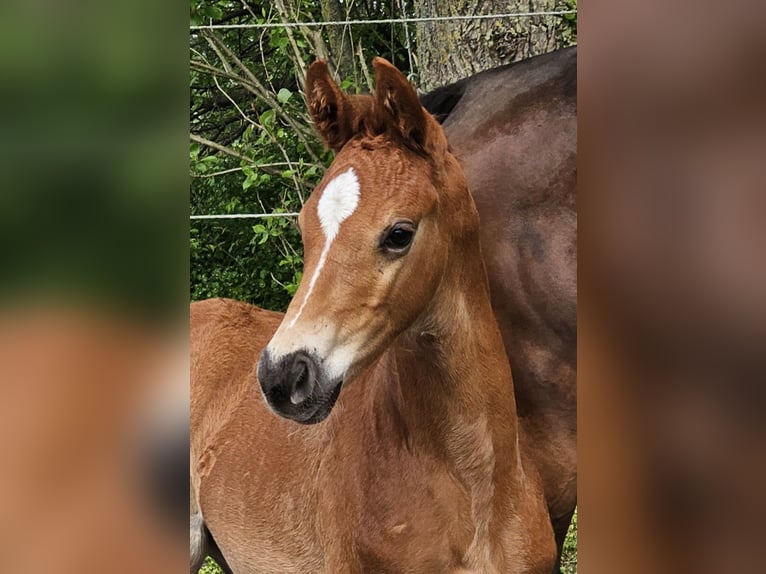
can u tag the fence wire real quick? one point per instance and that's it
(381, 21)
(244, 216)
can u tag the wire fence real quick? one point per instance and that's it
(403, 21)
(455, 18)
(244, 215)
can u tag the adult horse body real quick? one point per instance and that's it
(514, 130)
(421, 465)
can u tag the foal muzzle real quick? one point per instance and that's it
(296, 387)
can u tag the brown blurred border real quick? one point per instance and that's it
(672, 286)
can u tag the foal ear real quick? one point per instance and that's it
(398, 98)
(329, 107)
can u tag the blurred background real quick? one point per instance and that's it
(672, 277)
(93, 287)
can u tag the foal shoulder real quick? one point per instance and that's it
(226, 339)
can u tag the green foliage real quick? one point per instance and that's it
(569, 32)
(569, 554)
(210, 567)
(256, 260)
(203, 12)
(255, 151)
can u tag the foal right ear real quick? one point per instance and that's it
(331, 109)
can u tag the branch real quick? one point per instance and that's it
(365, 70)
(263, 166)
(219, 147)
(285, 18)
(262, 92)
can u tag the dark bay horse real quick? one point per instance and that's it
(420, 463)
(514, 130)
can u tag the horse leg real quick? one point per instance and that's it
(201, 545)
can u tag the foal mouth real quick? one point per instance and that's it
(315, 408)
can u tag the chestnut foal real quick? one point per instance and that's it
(421, 466)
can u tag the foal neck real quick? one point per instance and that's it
(452, 369)
(452, 399)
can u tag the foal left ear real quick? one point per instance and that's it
(398, 98)
(332, 111)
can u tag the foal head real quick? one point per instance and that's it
(377, 231)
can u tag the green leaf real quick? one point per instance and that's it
(283, 95)
(311, 172)
(279, 42)
(267, 118)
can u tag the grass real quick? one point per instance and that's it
(568, 559)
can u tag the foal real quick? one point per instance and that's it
(421, 465)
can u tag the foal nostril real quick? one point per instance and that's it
(290, 381)
(303, 378)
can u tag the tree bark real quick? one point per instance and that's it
(340, 43)
(451, 50)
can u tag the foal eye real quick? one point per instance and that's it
(398, 237)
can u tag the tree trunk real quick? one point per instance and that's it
(340, 43)
(451, 50)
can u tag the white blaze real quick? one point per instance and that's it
(339, 200)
